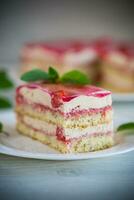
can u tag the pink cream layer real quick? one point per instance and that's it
(74, 113)
(60, 94)
(68, 92)
(59, 47)
(102, 46)
(59, 134)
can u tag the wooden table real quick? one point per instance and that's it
(108, 178)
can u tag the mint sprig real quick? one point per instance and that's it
(5, 82)
(5, 103)
(75, 77)
(129, 127)
(40, 75)
(52, 76)
(1, 127)
(35, 75)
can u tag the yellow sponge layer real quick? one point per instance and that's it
(116, 79)
(85, 144)
(71, 122)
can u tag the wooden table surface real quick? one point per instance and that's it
(108, 178)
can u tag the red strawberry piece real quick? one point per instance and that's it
(57, 98)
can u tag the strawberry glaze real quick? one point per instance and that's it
(60, 47)
(74, 113)
(60, 136)
(102, 46)
(66, 93)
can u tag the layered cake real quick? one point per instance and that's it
(107, 62)
(68, 118)
(64, 55)
(117, 68)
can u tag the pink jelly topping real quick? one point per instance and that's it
(60, 47)
(104, 49)
(60, 136)
(61, 93)
(102, 46)
(75, 112)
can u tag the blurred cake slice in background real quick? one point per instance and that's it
(117, 66)
(42, 55)
(108, 64)
(64, 55)
(82, 57)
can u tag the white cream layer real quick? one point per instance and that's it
(121, 60)
(84, 102)
(67, 132)
(81, 57)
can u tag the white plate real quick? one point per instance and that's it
(18, 145)
(123, 97)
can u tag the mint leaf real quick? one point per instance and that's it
(1, 127)
(75, 77)
(4, 103)
(5, 82)
(35, 75)
(53, 74)
(126, 127)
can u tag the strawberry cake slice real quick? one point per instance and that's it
(117, 68)
(68, 118)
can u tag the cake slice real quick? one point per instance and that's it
(64, 55)
(117, 68)
(68, 118)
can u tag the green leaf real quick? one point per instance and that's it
(5, 103)
(5, 82)
(126, 127)
(1, 127)
(53, 74)
(2, 73)
(75, 77)
(72, 77)
(35, 75)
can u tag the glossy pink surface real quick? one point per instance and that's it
(67, 93)
(60, 47)
(102, 46)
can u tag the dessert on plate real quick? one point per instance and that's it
(68, 117)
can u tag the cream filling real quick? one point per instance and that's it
(59, 120)
(40, 125)
(84, 102)
(38, 53)
(121, 61)
(87, 102)
(78, 58)
(117, 58)
(67, 132)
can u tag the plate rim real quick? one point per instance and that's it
(4, 149)
(125, 146)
